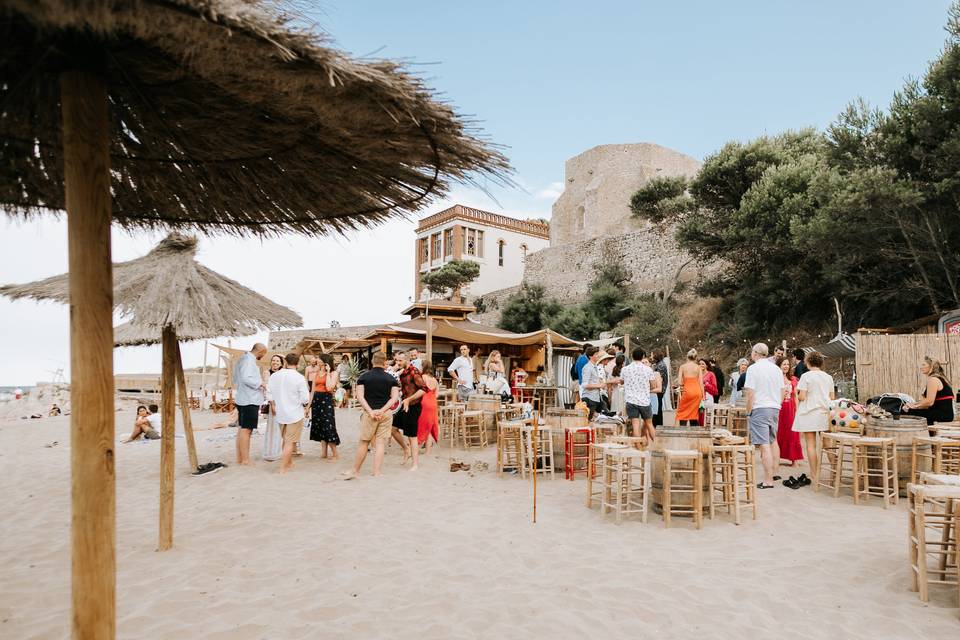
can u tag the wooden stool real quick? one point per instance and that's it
(733, 475)
(637, 442)
(875, 459)
(576, 450)
(932, 533)
(721, 416)
(836, 459)
(602, 432)
(944, 456)
(538, 448)
(683, 463)
(595, 470)
(474, 429)
(626, 482)
(449, 420)
(939, 478)
(510, 447)
(737, 423)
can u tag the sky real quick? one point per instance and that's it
(547, 81)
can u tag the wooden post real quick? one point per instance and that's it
(203, 376)
(185, 412)
(429, 339)
(383, 345)
(86, 164)
(549, 363)
(626, 347)
(168, 413)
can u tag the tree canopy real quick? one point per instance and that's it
(450, 277)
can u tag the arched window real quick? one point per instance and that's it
(500, 245)
(523, 253)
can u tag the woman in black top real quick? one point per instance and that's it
(936, 403)
(660, 367)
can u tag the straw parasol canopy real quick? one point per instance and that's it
(223, 115)
(169, 288)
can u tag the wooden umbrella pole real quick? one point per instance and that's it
(549, 363)
(534, 434)
(168, 413)
(86, 165)
(185, 412)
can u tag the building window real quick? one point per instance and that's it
(447, 242)
(435, 254)
(473, 242)
(424, 251)
(500, 244)
(523, 254)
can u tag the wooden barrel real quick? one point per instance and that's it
(681, 438)
(903, 431)
(489, 403)
(561, 418)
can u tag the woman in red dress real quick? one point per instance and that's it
(427, 425)
(787, 439)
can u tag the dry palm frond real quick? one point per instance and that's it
(168, 287)
(226, 117)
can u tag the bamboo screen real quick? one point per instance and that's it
(891, 363)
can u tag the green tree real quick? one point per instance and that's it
(529, 309)
(450, 277)
(650, 322)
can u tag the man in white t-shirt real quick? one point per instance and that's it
(461, 370)
(637, 377)
(290, 398)
(764, 391)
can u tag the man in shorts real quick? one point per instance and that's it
(764, 391)
(250, 388)
(637, 378)
(461, 370)
(376, 391)
(406, 420)
(290, 400)
(590, 382)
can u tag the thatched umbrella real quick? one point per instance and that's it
(197, 114)
(172, 297)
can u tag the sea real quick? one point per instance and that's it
(8, 393)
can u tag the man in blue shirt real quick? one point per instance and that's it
(250, 395)
(582, 360)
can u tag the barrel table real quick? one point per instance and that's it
(680, 438)
(903, 431)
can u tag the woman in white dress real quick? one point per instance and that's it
(272, 438)
(815, 391)
(495, 372)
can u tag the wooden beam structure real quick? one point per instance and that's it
(168, 416)
(184, 399)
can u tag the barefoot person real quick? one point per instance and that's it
(343, 371)
(143, 426)
(290, 403)
(764, 389)
(428, 425)
(323, 419)
(406, 420)
(250, 395)
(376, 391)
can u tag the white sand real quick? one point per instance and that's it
(435, 554)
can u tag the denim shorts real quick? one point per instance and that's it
(763, 425)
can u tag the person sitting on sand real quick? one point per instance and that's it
(54, 411)
(146, 424)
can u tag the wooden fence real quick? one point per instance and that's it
(891, 363)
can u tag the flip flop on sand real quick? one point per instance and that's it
(348, 475)
(764, 486)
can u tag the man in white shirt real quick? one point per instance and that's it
(764, 391)
(637, 377)
(461, 370)
(415, 359)
(288, 390)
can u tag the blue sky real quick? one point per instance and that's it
(548, 80)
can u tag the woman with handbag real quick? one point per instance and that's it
(272, 438)
(323, 419)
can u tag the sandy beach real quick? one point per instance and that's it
(435, 554)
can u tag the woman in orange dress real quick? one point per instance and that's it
(428, 425)
(691, 391)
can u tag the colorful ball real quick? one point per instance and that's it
(843, 414)
(853, 424)
(843, 423)
(833, 422)
(855, 416)
(843, 404)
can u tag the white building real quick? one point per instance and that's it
(499, 243)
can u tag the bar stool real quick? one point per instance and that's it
(737, 423)
(932, 532)
(836, 460)
(449, 418)
(637, 442)
(944, 456)
(576, 450)
(474, 429)
(875, 459)
(595, 470)
(683, 463)
(538, 447)
(603, 431)
(626, 482)
(721, 416)
(510, 447)
(732, 472)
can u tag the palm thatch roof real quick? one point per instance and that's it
(226, 116)
(168, 287)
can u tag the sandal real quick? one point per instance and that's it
(775, 478)
(790, 482)
(764, 486)
(803, 480)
